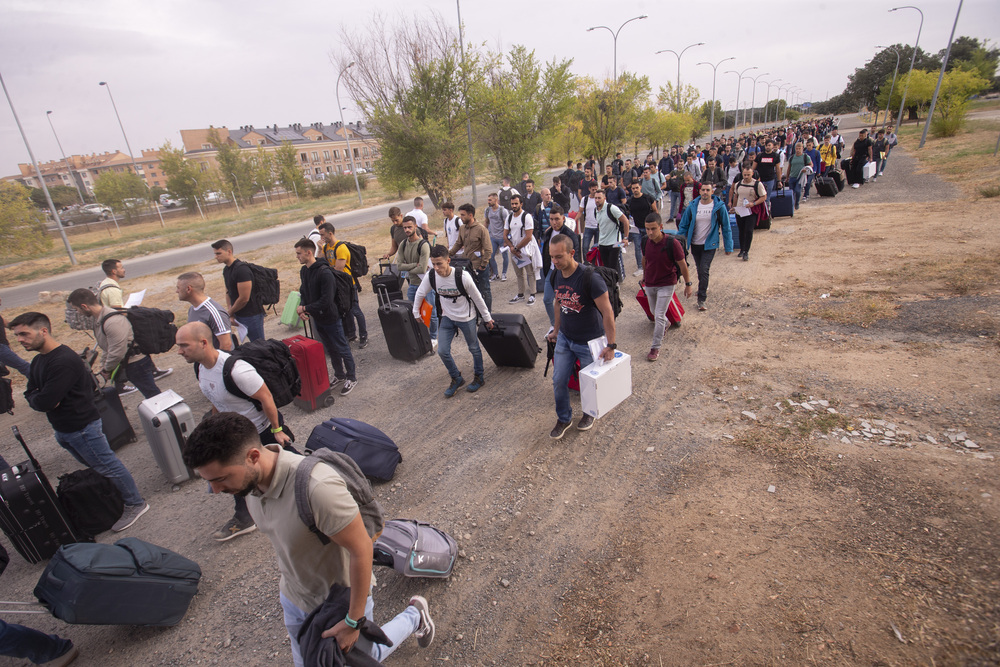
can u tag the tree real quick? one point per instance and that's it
(113, 188)
(286, 167)
(607, 112)
(953, 99)
(22, 225)
(864, 85)
(236, 171)
(968, 54)
(262, 168)
(669, 128)
(564, 143)
(62, 195)
(183, 178)
(667, 97)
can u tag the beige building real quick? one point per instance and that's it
(84, 169)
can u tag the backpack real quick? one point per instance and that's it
(510, 218)
(504, 197)
(458, 284)
(273, 362)
(345, 291)
(153, 330)
(416, 549)
(357, 484)
(92, 502)
(359, 258)
(78, 321)
(6, 395)
(610, 278)
(266, 290)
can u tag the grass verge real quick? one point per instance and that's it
(861, 310)
(965, 159)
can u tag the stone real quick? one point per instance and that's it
(845, 440)
(825, 404)
(505, 583)
(650, 449)
(749, 415)
(808, 407)
(890, 434)
(931, 439)
(831, 411)
(968, 444)
(771, 489)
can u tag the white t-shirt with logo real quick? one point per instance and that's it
(702, 223)
(245, 377)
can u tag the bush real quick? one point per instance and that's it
(335, 185)
(990, 191)
(947, 127)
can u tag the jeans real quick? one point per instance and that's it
(9, 358)
(675, 201)
(796, 191)
(470, 331)
(549, 298)
(497, 244)
(332, 336)
(611, 257)
(769, 186)
(254, 325)
(563, 361)
(18, 641)
(482, 279)
(431, 298)
(91, 448)
(746, 224)
(589, 236)
(703, 260)
(398, 629)
(659, 298)
(809, 184)
(355, 314)
(140, 373)
(635, 238)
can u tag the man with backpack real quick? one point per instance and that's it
(114, 334)
(640, 205)
(587, 216)
(457, 303)
(585, 313)
(505, 193)
(474, 244)
(518, 232)
(238, 277)
(415, 259)
(194, 344)
(557, 226)
(494, 218)
(319, 292)
(223, 450)
(662, 260)
(112, 295)
(191, 290)
(612, 232)
(343, 257)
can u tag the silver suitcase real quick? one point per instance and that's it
(167, 421)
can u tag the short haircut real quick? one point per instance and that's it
(556, 208)
(327, 227)
(492, 194)
(318, 219)
(222, 438)
(468, 208)
(569, 163)
(193, 279)
(409, 218)
(518, 198)
(556, 179)
(530, 181)
(747, 164)
(32, 319)
(448, 205)
(394, 211)
(222, 244)
(506, 180)
(109, 265)
(418, 200)
(305, 244)
(561, 239)
(653, 217)
(439, 251)
(82, 296)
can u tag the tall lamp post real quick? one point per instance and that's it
(767, 100)
(786, 88)
(135, 167)
(468, 117)
(347, 135)
(41, 179)
(893, 86)
(614, 35)
(937, 89)
(753, 96)
(739, 83)
(69, 167)
(679, 67)
(715, 70)
(913, 60)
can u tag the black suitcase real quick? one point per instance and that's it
(782, 203)
(92, 502)
(116, 426)
(130, 582)
(510, 342)
(30, 512)
(387, 286)
(838, 177)
(407, 338)
(826, 186)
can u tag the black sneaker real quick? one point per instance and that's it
(157, 373)
(349, 386)
(559, 430)
(585, 424)
(477, 384)
(363, 343)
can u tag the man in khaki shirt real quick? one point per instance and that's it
(225, 450)
(475, 241)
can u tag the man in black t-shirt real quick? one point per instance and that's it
(243, 308)
(766, 164)
(584, 313)
(61, 386)
(861, 154)
(640, 205)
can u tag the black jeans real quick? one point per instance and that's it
(746, 223)
(351, 328)
(703, 260)
(482, 279)
(611, 257)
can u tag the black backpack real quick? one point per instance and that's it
(503, 197)
(6, 393)
(92, 502)
(359, 258)
(345, 291)
(266, 289)
(153, 329)
(273, 362)
(458, 284)
(610, 278)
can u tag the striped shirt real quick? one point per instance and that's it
(212, 314)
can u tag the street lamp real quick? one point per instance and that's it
(679, 68)
(725, 116)
(753, 97)
(944, 66)
(780, 88)
(767, 100)
(715, 70)
(913, 59)
(41, 179)
(135, 168)
(614, 34)
(465, 91)
(69, 168)
(347, 135)
(736, 120)
(893, 86)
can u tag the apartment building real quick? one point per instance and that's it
(84, 170)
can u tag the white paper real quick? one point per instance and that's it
(241, 331)
(522, 261)
(135, 299)
(597, 346)
(504, 249)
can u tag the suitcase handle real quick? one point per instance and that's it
(17, 435)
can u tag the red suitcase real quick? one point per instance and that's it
(675, 311)
(643, 300)
(310, 359)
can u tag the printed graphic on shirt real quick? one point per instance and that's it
(569, 300)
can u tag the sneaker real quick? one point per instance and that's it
(675, 325)
(234, 528)
(880, 173)
(654, 354)
(348, 386)
(127, 389)
(453, 387)
(531, 299)
(157, 373)
(425, 631)
(363, 343)
(335, 382)
(637, 273)
(503, 278)
(129, 516)
(351, 339)
(585, 424)
(559, 430)
(69, 656)
(519, 297)
(746, 257)
(495, 277)
(477, 384)
(434, 344)
(702, 306)
(855, 186)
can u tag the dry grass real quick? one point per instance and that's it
(862, 310)
(965, 159)
(961, 276)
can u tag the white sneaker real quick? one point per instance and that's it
(531, 299)
(517, 299)
(855, 186)
(637, 273)
(880, 173)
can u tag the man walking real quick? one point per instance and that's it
(415, 259)
(474, 243)
(557, 226)
(8, 357)
(662, 260)
(338, 256)
(701, 224)
(518, 233)
(494, 219)
(112, 295)
(767, 165)
(243, 307)
(612, 227)
(191, 290)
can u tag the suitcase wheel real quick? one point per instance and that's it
(328, 401)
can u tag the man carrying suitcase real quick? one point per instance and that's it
(457, 304)
(223, 450)
(414, 259)
(61, 386)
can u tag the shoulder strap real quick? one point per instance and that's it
(230, 384)
(302, 506)
(105, 319)
(356, 483)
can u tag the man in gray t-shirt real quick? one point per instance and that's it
(494, 220)
(191, 290)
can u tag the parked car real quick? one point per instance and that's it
(213, 197)
(168, 201)
(100, 210)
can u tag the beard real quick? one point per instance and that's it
(250, 483)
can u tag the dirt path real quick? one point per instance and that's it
(596, 551)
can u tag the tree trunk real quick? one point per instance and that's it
(912, 113)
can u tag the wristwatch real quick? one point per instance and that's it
(688, 284)
(613, 346)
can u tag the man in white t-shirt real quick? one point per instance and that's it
(418, 213)
(517, 231)
(588, 211)
(194, 343)
(452, 223)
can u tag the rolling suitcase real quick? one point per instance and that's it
(406, 338)
(675, 311)
(826, 186)
(289, 314)
(374, 452)
(116, 426)
(310, 359)
(510, 341)
(130, 582)
(838, 178)
(30, 512)
(735, 228)
(387, 286)
(167, 421)
(643, 300)
(782, 203)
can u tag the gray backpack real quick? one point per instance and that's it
(357, 484)
(416, 549)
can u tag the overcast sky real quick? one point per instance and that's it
(179, 64)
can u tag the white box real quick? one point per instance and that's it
(603, 386)
(869, 172)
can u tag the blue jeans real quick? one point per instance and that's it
(563, 361)
(589, 236)
(140, 373)
(497, 244)
(769, 186)
(796, 191)
(254, 325)
(9, 358)
(482, 279)
(398, 629)
(809, 184)
(431, 298)
(675, 202)
(635, 238)
(470, 331)
(332, 336)
(18, 641)
(549, 297)
(91, 448)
